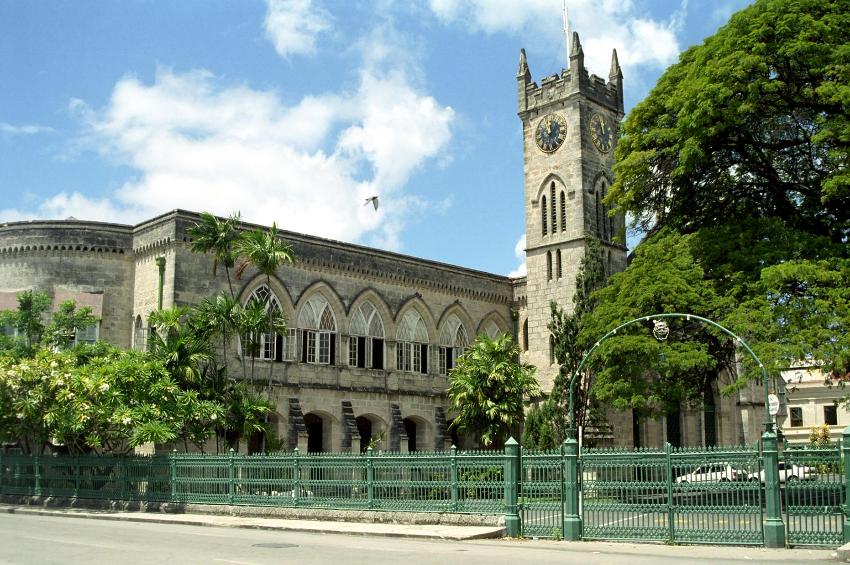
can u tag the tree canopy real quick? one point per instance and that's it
(753, 122)
(737, 166)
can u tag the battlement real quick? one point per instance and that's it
(570, 82)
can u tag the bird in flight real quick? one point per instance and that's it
(373, 200)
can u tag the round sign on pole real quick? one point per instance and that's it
(773, 404)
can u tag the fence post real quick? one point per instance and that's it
(122, 477)
(671, 518)
(231, 476)
(845, 448)
(774, 528)
(296, 476)
(513, 526)
(37, 475)
(453, 478)
(572, 520)
(76, 476)
(173, 465)
(370, 479)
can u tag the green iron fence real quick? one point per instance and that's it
(625, 494)
(673, 495)
(705, 495)
(813, 495)
(470, 482)
(540, 492)
(715, 497)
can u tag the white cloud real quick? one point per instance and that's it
(519, 252)
(28, 129)
(294, 25)
(602, 26)
(201, 146)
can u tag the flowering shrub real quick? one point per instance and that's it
(98, 399)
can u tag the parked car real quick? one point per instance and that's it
(790, 473)
(712, 472)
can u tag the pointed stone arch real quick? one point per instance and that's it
(458, 310)
(280, 291)
(416, 302)
(380, 305)
(544, 187)
(329, 294)
(490, 320)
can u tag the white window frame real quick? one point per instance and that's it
(88, 335)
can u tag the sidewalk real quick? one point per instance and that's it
(420, 531)
(619, 551)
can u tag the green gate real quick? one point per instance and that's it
(705, 495)
(812, 495)
(624, 494)
(540, 493)
(716, 495)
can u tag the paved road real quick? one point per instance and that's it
(58, 539)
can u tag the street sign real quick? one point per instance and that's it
(773, 404)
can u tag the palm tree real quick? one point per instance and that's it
(219, 316)
(183, 353)
(219, 237)
(488, 387)
(266, 252)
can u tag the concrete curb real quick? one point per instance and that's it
(413, 531)
(844, 553)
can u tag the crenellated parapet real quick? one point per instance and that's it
(572, 82)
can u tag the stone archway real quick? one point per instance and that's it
(315, 433)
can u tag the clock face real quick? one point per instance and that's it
(601, 132)
(551, 132)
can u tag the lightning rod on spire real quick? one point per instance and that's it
(567, 33)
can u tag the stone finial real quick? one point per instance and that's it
(576, 56)
(576, 49)
(523, 73)
(616, 72)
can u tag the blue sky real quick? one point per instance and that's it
(295, 111)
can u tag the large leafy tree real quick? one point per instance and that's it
(737, 165)
(488, 388)
(754, 122)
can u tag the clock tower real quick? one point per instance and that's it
(569, 125)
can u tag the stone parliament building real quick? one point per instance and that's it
(373, 334)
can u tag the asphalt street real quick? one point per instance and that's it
(71, 540)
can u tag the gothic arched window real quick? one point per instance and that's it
(525, 335)
(549, 265)
(558, 271)
(412, 343)
(266, 347)
(563, 212)
(317, 328)
(453, 342)
(554, 205)
(366, 338)
(544, 213)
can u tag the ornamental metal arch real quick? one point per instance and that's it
(571, 431)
